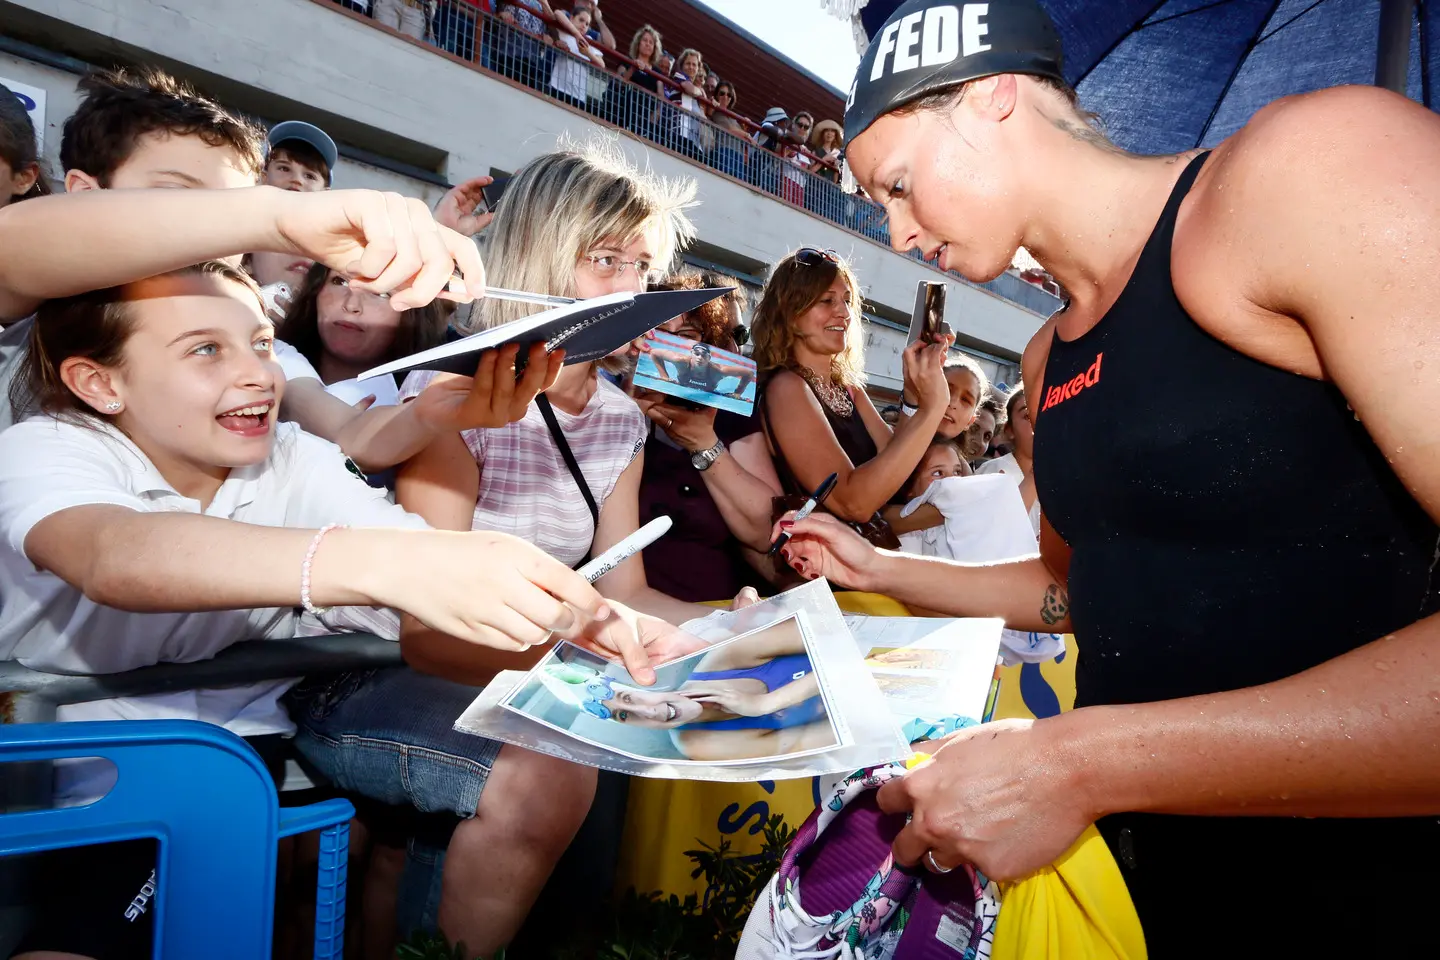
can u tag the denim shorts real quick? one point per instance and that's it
(389, 735)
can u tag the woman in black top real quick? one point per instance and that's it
(809, 351)
(1259, 662)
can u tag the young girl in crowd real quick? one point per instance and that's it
(1018, 463)
(160, 403)
(808, 347)
(334, 331)
(968, 384)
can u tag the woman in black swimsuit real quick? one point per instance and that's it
(1238, 457)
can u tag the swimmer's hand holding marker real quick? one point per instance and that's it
(816, 499)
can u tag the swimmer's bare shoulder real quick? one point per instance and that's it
(1312, 204)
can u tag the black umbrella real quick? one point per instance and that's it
(1170, 75)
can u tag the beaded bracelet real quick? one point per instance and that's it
(305, 570)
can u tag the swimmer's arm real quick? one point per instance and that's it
(1357, 735)
(1353, 737)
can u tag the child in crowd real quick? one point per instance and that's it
(301, 157)
(967, 383)
(1017, 464)
(336, 330)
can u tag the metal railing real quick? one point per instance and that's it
(657, 109)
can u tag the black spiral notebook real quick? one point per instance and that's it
(586, 330)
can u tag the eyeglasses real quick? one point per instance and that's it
(606, 266)
(814, 257)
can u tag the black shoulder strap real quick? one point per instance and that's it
(548, 412)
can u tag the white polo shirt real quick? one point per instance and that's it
(47, 466)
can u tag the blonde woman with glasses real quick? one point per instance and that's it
(578, 223)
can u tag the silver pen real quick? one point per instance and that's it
(457, 286)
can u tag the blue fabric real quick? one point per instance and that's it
(774, 674)
(1176, 74)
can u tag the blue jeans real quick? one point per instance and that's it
(388, 735)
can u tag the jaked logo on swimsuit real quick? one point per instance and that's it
(931, 37)
(1069, 388)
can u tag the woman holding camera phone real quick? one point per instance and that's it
(812, 403)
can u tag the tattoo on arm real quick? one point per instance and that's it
(1055, 605)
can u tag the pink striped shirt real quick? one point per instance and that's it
(526, 489)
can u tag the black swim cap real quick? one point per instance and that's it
(928, 45)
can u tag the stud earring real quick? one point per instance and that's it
(112, 406)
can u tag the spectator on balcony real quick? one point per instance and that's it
(729, 153)
(20, 174)
(634, 109)
(774, 140)
(687, 95)
(410, 17)
(812, 405)
(712, 80)
(300, 156)
(518, 47)
(597, 31)
(452, 28)
(570, 76)
(666, 64)
(825, 142)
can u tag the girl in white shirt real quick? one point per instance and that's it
(342, 330)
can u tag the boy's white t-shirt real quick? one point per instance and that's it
(47, 466)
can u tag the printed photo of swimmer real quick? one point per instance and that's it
(755, 697)
(698, 372)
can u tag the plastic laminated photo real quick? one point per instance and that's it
(697, 373)
(755, 697)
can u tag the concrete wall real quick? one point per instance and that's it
(371, 89)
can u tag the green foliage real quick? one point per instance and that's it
(652, 926)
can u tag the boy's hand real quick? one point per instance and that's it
(384, 242)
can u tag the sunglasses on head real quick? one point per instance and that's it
(814, 257)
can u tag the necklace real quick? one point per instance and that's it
(833, 395)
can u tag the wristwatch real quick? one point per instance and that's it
(704, 459)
